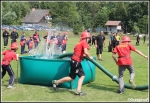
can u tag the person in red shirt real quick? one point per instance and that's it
(30, 44)
(64, 42)
(125, 61)
(80, 50)
(9, 55)
(36, 38)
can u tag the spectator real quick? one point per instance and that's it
(111, 43)
(59, 39)
(99, 42)
(117, 37)
(64, 43)
(144, 38)
(30, 44)
(93, 39)
(138, 40)
(14, 36)
(22, 43)
(5, 37)
(36, 38)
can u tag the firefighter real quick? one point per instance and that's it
(125, 61)
(9, 55)
(80, 50)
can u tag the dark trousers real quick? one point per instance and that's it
(64, 47)
(144, 40)
(93, 42)
(5, 41)
(22, 49)
(13, 40)
(8, 69)
(99, 50)
(137, 43)
(35, 44)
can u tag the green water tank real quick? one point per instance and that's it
(40, 71)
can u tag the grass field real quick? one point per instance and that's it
(101, 90)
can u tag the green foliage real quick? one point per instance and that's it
(14, 12)
(143, 24)
(135, 28)
(102, 17)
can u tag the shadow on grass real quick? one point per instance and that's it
(109, 87)
(103, 87)
(59, 90)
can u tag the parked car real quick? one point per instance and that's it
(27, 28)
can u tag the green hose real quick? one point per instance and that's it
(113, 77)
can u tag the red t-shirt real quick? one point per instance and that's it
(123, 51)
(30, 45)
(9, 55)
(79, 50)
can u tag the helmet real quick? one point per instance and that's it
(85, 34)
(14, 45)
(126, 39)
(65, 33)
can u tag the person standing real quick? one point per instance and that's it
(118, 38)
(64, 42)
(59, 40)
(125, 61)
(22, 43)
(144, 38)
(93, 39)
(5, 37)
(9, 55)
(14, 36)
(36, 38)
(80, 49)
(99, 42)
(30, 44)
(138, 40)
(111, 43)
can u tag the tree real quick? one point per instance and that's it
(135, 28)
(143, 24)
(101, 17)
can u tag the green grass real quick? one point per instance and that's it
(102, 89)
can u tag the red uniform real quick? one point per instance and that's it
(79, 50)
(9, 55)
(30, 45)
(22, 43)
(123, 51)
(36, 37)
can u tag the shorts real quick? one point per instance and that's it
(76, 69)
(99, 50)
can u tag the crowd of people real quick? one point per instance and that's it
(33, 41)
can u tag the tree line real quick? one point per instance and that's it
(82, 15)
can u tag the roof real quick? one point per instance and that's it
(114, 23)
(35, 15)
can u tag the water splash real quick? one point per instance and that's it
(47, 49)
